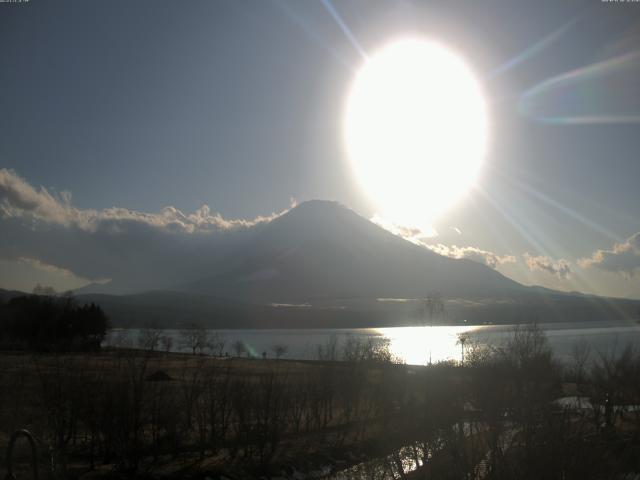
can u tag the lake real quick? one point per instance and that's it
(411, 345)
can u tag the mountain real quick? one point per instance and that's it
(108, 288)
(323, 265)
(321, 250)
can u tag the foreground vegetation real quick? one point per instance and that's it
(145, 413)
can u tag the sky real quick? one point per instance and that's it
(156, 125)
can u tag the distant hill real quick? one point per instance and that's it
(178, 309)
(170, 309)
(6, 295)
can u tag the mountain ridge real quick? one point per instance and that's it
(322, 249)
(321, 265)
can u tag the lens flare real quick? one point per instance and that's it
(605, 92)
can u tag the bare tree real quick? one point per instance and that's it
(462, 340)
(279, 350)
(149, 338)
(328, 351)
(580, 353)
(239, 347)
(433, 307)
(216, 343)
(167, 342)
(195, 338)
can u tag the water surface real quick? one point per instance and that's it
(411, 345)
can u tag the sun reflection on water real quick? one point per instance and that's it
(423, 345)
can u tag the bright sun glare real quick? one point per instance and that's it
(416, 130)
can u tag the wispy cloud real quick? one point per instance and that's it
(56, 270)
(18, 199)
(623, 258)
(412, 234)
(560, 268)
(479, 255)
(424, 238)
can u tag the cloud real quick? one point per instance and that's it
(475, 254)
(18, 199)
(412, 234)
(560, 268)
(60, 271)
(623, 258)
(45, 267)
(137, 250)
(421, 237)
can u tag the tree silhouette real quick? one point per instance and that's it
(433, 307)
(52, 323)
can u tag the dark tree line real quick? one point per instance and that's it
(51, 323)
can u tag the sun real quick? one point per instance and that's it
(416, 130)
